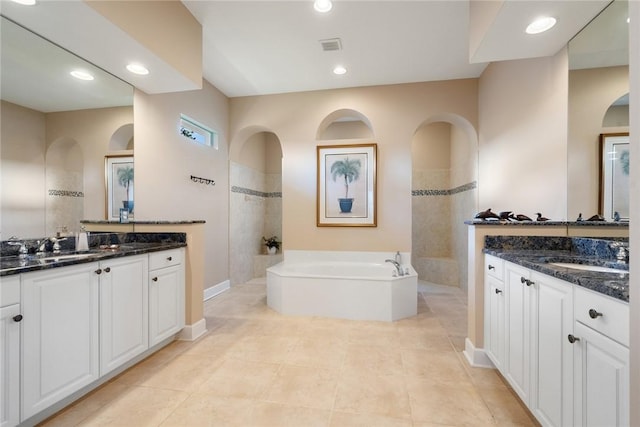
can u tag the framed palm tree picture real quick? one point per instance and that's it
(119, 185)
(614, 176)
(346, 192)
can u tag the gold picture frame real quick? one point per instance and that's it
(349, 171)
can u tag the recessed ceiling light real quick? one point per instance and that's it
(322, 5)
(25, 2)
(138, 69)
(339, 70)
(81, 74)
(628, 20)
(541, 25)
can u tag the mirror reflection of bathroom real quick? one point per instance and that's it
(56, 131)
(444, 194)
(598, 102)
(255, 206)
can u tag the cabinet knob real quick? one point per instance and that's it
(594, 314)
(572, 339)
(526, 281)
(17, 318)
(169, 258)
(522, 279)
(155, 279)
(498, 291)
(491, 267)
(99, 271)
(108, 269)
(529, 282)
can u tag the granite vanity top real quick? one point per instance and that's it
(537, 253)
(101, 246)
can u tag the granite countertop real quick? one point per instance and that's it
(102, 246)
(620, 224)
(134, 221)
(615, 285)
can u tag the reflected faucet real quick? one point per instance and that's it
(396, 264)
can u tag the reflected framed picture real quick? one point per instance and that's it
(346, 185)
(119, 185)
(614, 176)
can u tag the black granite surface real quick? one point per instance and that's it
(537, 253)
(134, 221)
(101, 246)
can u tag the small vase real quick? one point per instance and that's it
(271, 250)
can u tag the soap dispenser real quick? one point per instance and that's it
(82, 240)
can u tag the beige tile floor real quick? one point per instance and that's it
(256, 367)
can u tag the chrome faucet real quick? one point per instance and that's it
(396, 264)
(622, 251)
(56, 244)
(22, 251)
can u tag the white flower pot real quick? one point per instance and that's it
(272, 250)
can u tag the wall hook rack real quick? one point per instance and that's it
(202, 180)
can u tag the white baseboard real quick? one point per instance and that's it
(193, 332)
(476, 356)
(216, 289)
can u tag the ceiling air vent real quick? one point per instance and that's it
(331, 44)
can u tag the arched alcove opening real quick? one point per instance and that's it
(444, 195)
(618, 113)
(255, 178)
(122, 139)
(345, 124)
(64, 178)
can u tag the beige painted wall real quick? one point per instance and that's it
(92, 129)
(523, 134)
(395, 113)
(165, 160)
(22, 148)
(591, 93)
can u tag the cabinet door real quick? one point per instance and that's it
(9, 366)
(124, 301)
(59, 334)
(494, 336)
(552, 397)
(520, 315)
(601, 395)
(166, 303)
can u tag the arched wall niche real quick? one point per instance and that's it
(64, 178)
(255, 177)
(618, 112)
(444, 194)
(345, 124)
(122, 138)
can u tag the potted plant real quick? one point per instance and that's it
(350, 170)
(272, 244)
(125, 178)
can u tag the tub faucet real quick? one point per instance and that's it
(396, 264)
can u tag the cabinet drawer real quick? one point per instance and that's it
(9, 290)
(602, 313)
(165, 259)
(494, 267)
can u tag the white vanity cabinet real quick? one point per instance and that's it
(601, 358)
(494, 308)
(551, 393)
(562, 348)
(59, 334)
(10, 318)
(166, 294)
(520, 312)
(124, 302)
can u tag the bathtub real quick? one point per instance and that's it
(345, 285)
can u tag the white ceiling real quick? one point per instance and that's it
(266, 47)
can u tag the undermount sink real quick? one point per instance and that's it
(587, 267)
(63, 257)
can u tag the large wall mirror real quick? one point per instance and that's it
(57, 131)
(598, 105)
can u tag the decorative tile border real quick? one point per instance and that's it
(460, 189)
(66, 193)
(242, 190)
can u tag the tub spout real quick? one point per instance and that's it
(396, 264)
